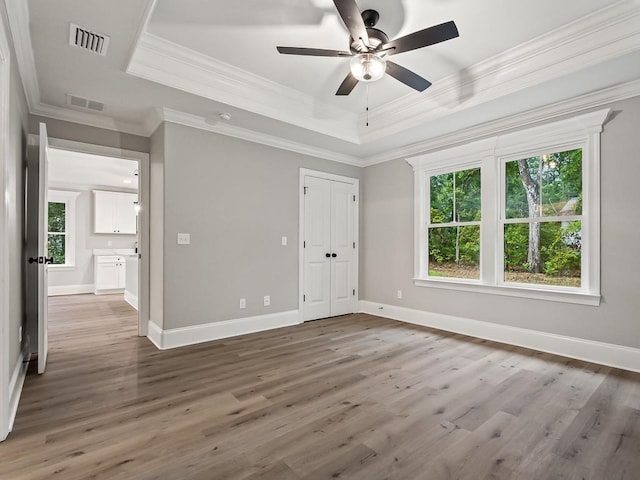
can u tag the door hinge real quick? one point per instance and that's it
(305, 190)
(354, 244)
(354, 198)
(304, 298)
(304, 244)
(354, 292)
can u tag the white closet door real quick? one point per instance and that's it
(342, 248)
(329, 251)
(317, 238)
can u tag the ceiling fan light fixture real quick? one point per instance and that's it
(368, 67)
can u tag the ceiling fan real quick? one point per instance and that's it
(369, 48)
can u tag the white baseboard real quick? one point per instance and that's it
(70, 289)
(618, 356)
(131, 299)
(154, 334)
(179, 337)
(15, 386)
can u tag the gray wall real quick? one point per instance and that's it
(15, 167)
(87, 134)
(387, 254)
(236, 199)
(86, 241)
(156, 226)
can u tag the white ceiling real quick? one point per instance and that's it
(81, 170)
(189, 60)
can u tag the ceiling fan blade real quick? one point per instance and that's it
(352, 18)
(422, 38)
(347, 85)
(407, 77)
(315, 52)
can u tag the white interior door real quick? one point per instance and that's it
(316, 246)
(342, 248)
(329, 249)
(43, 216)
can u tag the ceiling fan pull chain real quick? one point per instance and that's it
(367, 104)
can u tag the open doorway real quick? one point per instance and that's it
(92, 237)
(76, 273)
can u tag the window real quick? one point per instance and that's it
(454, 224)
(61, 227)
(514, 215)
(542, 221)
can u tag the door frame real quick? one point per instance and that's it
(305, 172)
(143, 215)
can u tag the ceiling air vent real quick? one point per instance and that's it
(87, 40)
(84, 103)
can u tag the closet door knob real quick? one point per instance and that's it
(327, 255)
(334, 255)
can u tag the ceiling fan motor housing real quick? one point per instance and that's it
(376, 38)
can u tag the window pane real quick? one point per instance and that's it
(467, 195)
(454, 252)
(562, 183)
(55, 247)
(442, 198)
(56, 217)
(544, 253)
(550, 185)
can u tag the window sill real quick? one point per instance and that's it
(62, 268)
(512, 290)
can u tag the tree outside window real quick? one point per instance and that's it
(543, 219)
(61, 228)
(454, 224)
(57, 234)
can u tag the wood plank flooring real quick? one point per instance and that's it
(353, 397)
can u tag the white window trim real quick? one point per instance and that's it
(69, 199)
(491, 155)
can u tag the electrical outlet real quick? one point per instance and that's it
(243, 303)
(184, 239)
(399, 294)
(267, 300)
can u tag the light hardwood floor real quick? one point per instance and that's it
(353, 397)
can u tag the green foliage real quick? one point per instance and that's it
(57, 217)
(56, 248)
(455, 197)
(558, 177)
(563, 250)
(56, 238)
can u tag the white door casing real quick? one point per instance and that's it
(328, 246)
(43, 284)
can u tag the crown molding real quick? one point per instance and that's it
(88, 118)
(520, 120)
(18, 17)
(162, 61)
(182, 118)
(608, 33)
(142, 27)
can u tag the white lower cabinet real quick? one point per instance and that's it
(110, 273)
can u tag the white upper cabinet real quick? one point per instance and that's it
(114, 212)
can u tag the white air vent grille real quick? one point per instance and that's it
(87, 40)
(84, 103)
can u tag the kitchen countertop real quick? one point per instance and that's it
(114, 251)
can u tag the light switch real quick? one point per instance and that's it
(184, 239)
(284, 241)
